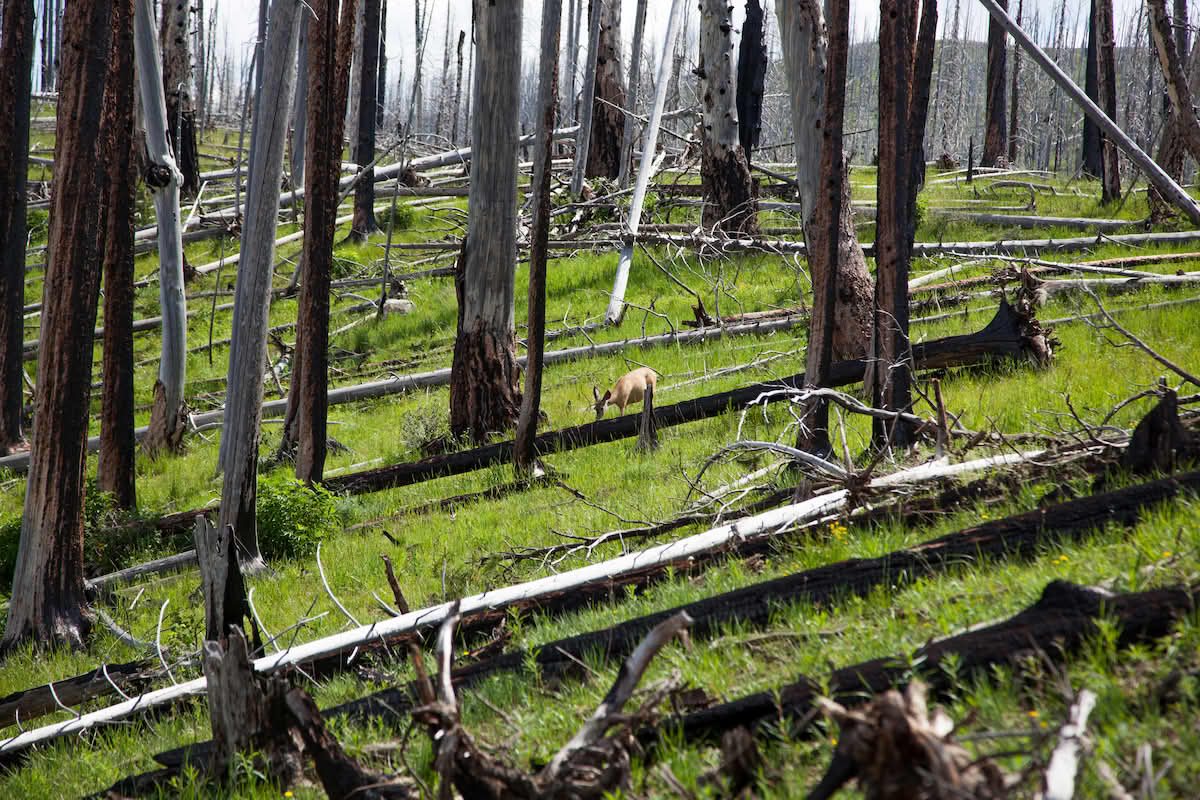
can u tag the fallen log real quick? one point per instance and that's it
(1008, 335)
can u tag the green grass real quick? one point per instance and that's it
(446, 554)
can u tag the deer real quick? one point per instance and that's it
(629, 388)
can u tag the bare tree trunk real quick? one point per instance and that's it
(813, 433)
(441, 109)
(364, 194)
(462, 37)
(1171, 147)
(16, 83)
(608, 123)
(1012, 100)
(381, 68)
(993, 142)
(328, 67)
(483, 391)
(248, 348)
(1177, 85)
(300, 108)
(1107, 71)
(583, 138)
(47, 602)
(115, 471)
(730, 203)
(353, 115)
(804, 56)
(523, 451)
(751, 72)
(175, 42)
(167, 415)
(893, 245)
(635, 76)
(1093, 164)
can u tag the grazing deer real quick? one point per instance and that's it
(629, 388)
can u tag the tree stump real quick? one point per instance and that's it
(647, 441)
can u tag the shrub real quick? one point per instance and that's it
(293, 517)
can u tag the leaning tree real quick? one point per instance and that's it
(483, 378)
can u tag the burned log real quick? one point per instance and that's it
(1010, 334)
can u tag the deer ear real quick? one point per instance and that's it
(596, 393)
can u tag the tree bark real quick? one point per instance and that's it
(635, 78)
(1092, 163)
(458, 72)
(1013, 94)
(48, 599)
(305, 422)
(752, 73)
(523, 452)
(248, 349)
(300, 109)
(891, 360)
(364, 194)
(115, 471)
(163, 177)
(1107, 85)
(802, 27)
(730, 203)
(16, 83)
(1177, 85)
(1171, 148)
(381, 68)
(993, 142)
(175, 42)
(608, 122)
(483, 393)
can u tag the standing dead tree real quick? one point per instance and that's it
(802, 30)
(752, 74)
(305, 421)
(483, 376)
(167, 416)
(1013, 94)
(1171, 147)
(729, 200)
(1092, 163)
(635, 76)
(47, 602)
(248, 350)
(175, 42)
(608, 116)
(1106, 71)
(993, 142)
(16, 83)
(523, 451)
(364, 194)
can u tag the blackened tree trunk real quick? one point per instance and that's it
(364, 194)
(1012, 100)
(608, 123)
(523, 451)
(175, 42)
(16, 83)
(1102, 22)
(381, 67)
(306, 420)
(893, 245)
(462, 37)
(48, 600)
(802, 32)
(729, 199)
(115, 471)
(993, 142)
(1092, 162)
(483, 377)
(752, 75)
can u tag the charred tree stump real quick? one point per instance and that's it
(1158, 440)
(647, 440)
(224, 589)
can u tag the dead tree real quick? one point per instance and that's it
(635, 77)
(752, 74)
(802, 30)
(248, 348)
(993, 142)
(364, 194)
(1110, 177)
(167, 416)
(1093, 164)
(1171, 147)
(1013, 93)
(305, 421)
(483, 377)
(175, 43)
(729, 199)
(115, 471)
(47, 602)
(16, 83)
(1178, 88)
(458, 72)
(523, 452)
(381, 68)
(608, 119)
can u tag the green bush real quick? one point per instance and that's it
(293, 517)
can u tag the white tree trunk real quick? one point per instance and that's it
(248, 349)
(164, 181)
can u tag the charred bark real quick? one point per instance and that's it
(305, 422)
(1092, 162)
(731, 203)
(1107, 85)
(484, 399)
(16, 83)
(175, 43)
(608, 122)
(752, 74)
(364, 223)
(48, 599)
(993, 142)
(115, 471)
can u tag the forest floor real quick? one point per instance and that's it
(1142, 733)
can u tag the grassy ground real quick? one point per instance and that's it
(446, 554)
